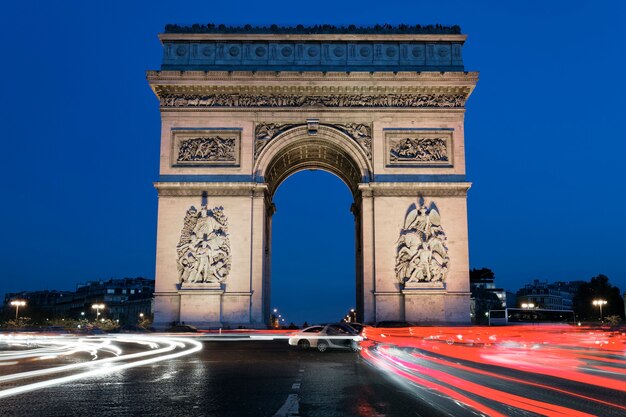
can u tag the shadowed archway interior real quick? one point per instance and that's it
(313, 154)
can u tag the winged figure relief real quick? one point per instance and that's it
(421, 253)
(204, 247)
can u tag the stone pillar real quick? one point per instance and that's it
(368, 257)
(258, 257)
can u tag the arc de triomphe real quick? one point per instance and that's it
(244, 108)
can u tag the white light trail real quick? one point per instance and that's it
(98, 367)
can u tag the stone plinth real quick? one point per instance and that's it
(424, 306)
(201, 306)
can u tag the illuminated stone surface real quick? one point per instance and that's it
(386, 122)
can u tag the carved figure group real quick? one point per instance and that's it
(214, 148)
(422, 255)
(265, 132)
(204, 248)
(361, 133)
(329, 100)
(419, 149)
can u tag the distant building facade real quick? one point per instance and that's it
(485, 295)
(550, 296)
(124, 299)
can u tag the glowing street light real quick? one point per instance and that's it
(97, 307)
(528, 305)
(599, 302)
(17, 304)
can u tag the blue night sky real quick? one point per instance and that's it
(80, 144)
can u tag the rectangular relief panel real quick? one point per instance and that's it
(206, 147)
(418, 148)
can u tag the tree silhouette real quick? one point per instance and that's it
(598, 287)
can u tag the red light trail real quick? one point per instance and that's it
(504, 371)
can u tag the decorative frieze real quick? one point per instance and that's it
(421, 253)
(418, 147)
(204, 247)
(329, 100)
(205, 147)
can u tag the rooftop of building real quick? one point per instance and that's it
(436, 29)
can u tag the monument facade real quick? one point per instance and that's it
(242, 109)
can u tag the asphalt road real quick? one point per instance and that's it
(243, 378)
(117, 375)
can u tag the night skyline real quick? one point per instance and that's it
(81, 145)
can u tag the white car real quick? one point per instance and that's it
(334, 336)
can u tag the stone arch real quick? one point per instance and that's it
(328, 149)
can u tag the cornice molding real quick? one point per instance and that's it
(411, 189)
(186, 189)
(470, 78)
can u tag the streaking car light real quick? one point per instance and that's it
(159, 349)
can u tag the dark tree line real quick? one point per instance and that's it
(598, 287)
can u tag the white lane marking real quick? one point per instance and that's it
(291, 407)
(295, 386)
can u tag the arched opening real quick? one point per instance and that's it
(330, 259)
(313, 257)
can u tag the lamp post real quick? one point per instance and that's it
(599, 302)
(97, 307)
(17, 304)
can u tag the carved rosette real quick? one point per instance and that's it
(204, 247)
(207, 149)
(328, 100)
(422, 254)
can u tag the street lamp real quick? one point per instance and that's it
(97, 307)
(17, 304)
(599, 303)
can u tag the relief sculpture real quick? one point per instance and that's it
(361, 133)
(204, 246)
(422, 254)
(418, 150)
(329, 100)
(207, 149)
(265, 132)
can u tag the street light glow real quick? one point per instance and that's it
(599, 303)
(17, 304)
(97, 307)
